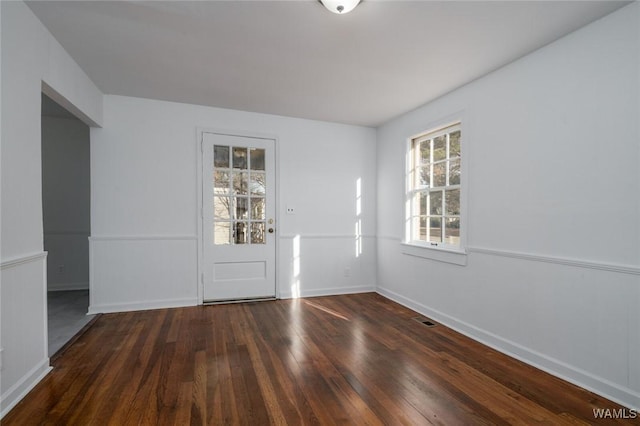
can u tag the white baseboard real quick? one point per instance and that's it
(22, 387)
(67, 286)
(612, 391)
(329, 291)
(141, 306)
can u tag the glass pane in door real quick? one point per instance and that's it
(222, 208)
(257, 183)
(257, 208)
(222, 233)
(258, 233)
(221, 156)
(256, 158)
(239, 158)
(221, 182)
(240, 233)
(240, 183)
(242, 208)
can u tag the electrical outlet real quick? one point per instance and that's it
(61, 269)
(1, 359)
(291, 209)
(347, 272)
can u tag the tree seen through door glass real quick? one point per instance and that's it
(240, 183)
(239, 186)
(257, 208)
(257, 183)
(221, 182)
(222, 208)
(258, 233)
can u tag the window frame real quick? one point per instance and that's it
(442, 251)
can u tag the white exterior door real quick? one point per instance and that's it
(238, 217)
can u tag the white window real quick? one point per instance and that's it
(434, 189)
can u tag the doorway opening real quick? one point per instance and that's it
(66, 192)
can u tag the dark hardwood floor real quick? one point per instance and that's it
(354, 359)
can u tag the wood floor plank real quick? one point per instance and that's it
(352, 359)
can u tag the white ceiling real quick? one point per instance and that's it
(295, 58)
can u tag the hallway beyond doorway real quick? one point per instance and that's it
(67, 312)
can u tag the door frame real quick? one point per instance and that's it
(200, 197)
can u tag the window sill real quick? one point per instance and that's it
(456, 257)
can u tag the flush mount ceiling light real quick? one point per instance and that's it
(340, 6)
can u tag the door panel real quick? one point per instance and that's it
(238, 217)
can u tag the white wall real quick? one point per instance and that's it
(31, 60)
(144, 202)
(553, 155)
(66, 200)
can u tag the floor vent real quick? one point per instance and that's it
(426, 321)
